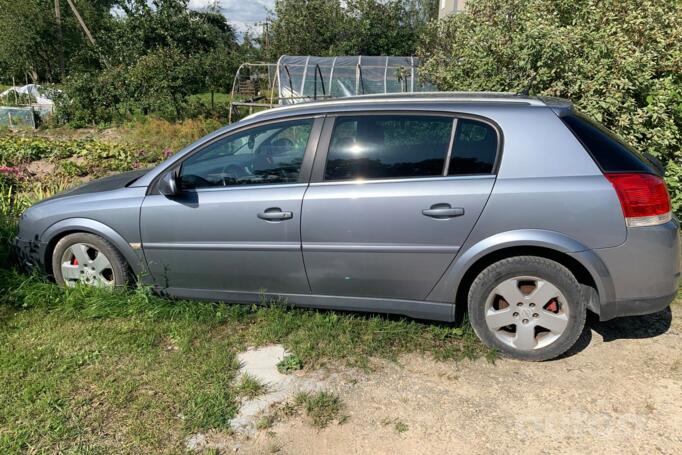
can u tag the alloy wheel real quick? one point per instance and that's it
(83, 263)
(526, 312)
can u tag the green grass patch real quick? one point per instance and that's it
(322, 408)
(218, 98)
(289, 363)
(250, 387)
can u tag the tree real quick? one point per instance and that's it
(150, 25)
(29, 41)
(620, 61)
(149, 59)
(382, 28)
(353, 27)
(306, 27)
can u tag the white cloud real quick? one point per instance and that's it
(241, 14)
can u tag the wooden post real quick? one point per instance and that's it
(60, 37)
(14, 89)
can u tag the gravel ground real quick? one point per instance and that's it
(618, 391)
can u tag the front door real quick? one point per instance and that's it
(236, 224)
(393, 200)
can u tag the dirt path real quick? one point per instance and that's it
(620, 391)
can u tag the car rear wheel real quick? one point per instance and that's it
(90, 260)
(527, 307)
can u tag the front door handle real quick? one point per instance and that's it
(443, 211)
(275, 214)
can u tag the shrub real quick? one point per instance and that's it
(620, 61)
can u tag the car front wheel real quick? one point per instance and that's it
(527, 307)
(88, 259)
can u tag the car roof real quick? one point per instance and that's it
(407, 100)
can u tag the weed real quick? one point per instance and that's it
(398, 425)
(289, 363)
(322, 408)
(265, 422)
(250, 387)
(401, 427)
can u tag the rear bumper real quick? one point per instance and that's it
(638, 307)
(644, 272)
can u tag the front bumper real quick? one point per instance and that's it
(29, 254)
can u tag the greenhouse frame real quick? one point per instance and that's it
(296, 79)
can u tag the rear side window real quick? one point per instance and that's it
(474, 149)
(388, 146)
(610, 153)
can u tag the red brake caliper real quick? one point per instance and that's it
(74, 261)
(553, 306)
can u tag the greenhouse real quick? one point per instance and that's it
(296, 79)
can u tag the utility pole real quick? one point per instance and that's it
(81, 22)
(60, 37)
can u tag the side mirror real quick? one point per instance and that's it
(168, 185)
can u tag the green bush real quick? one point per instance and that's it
(620, 61)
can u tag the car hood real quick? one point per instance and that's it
(112, 182)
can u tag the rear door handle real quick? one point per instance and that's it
(443, 211)
(275, 214)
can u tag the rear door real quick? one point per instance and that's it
(392, 199)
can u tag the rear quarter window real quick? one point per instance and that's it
(474, 149)
(609, 152)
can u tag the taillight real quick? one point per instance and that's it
(643, 197)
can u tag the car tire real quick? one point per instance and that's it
(101, 264)
(545, 314)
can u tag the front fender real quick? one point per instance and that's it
(134, 257)
(446, 288)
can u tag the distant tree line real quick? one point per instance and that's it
(148, 56)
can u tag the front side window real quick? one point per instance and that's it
(262, 155)
(388, 146)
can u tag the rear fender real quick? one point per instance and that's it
(447, 287)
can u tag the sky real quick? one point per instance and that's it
(242, 14)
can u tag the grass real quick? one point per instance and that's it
(289, 363)
(249, 387)
(87, 370)
(321, 408)
(218, 98)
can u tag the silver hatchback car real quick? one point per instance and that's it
(519, 207)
